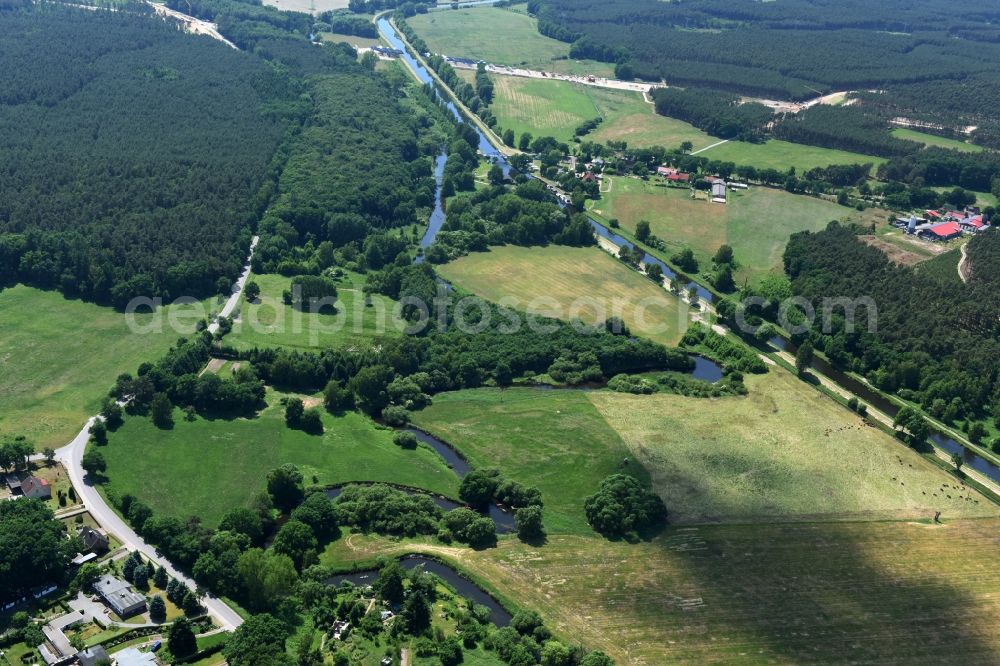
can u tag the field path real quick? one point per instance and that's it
(718, 143)
(964, 271)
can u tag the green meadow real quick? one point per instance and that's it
(555, 108)
(777, 154)
(499, 36)
(936, 141)
(223, 463)
(755, 222)
(782, 453)
(59, 357)
(863, 592)
(268, 322)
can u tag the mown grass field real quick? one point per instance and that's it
(872, 593)
(570, 283)
(781, 454)
(271, 323)
(935, 140)
(59, 357)
(206, 467)
(756, 222)
(499, 36)
(777, 154)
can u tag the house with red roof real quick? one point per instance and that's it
(943, 231)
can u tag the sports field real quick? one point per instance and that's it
(570, 283)
(777, 154)
(935, 140)
(271, 323)
(785, 452)
(756, 222)
(59, 357)
(834, 593)
(206, 467)
(501, 37)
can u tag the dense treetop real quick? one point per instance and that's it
(125, 164)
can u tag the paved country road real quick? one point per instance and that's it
(71, 456)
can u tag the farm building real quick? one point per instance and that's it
(120, 596)
(719, 191)
(943, 231)
(673, 175)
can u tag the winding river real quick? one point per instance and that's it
(465, 587)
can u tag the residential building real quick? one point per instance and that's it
(93, 541)
(36, 488)
(119, 596)
(133, 657)
(92, 655)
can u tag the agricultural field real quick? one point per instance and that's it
(936, 141)
(777, 154)
(502, 37)
(555, 108)
(570, 283)
(782, 453)
(756, 222)
(222, 463)
(271, 323)
(59, 357)
(869, 592)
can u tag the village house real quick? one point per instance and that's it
(673, 175)
(119, 596)
(133, 657)
(35, 488)
(942, 232)
(92, 656)
(339, 629)
(93, 541)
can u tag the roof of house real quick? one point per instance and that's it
(33, 483)
(117, 592)
(679, 176)
(932, 213)
(92, 655)
(92, 538)
(946, 229)
(976, 221)
(132, 657)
